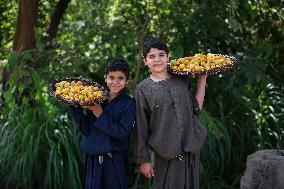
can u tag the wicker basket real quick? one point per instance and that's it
(85, 83)
(228, 66)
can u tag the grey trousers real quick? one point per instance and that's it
(177, 173)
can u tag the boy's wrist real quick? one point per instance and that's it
(202, 77)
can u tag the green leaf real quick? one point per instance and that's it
(12, 61)
(234, 24)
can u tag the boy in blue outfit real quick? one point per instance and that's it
(106, 129)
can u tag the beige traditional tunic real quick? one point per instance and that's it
(165, 124)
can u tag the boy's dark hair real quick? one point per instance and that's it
(118, 64)
(153, 42)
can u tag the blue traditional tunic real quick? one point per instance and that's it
(105, 142)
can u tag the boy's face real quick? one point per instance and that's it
(157, 60)
(116, 81)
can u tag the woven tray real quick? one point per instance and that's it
(227, 64)
(85, 92)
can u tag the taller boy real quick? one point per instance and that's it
(166, 123)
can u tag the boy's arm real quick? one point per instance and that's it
(117, 130)
(81, 120)
(200, 90)
(141, 131)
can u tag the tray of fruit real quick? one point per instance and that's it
(202, 64)
(78, 91)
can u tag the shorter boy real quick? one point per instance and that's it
(106, 129)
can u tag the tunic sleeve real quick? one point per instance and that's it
(82, 121)
(141, 132)
(119, 130)
(194, 102)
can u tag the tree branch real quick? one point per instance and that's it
(140, 36)
(55, 21)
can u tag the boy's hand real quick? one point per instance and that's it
(200, 90)
(96, 109)
(202, 77)
(147, 170)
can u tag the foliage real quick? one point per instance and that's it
(243, 108)
(39, 144)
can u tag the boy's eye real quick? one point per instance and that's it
(120, 78)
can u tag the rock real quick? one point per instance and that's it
(264, 170)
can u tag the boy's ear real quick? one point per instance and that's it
(127, 81)
(144, 61)
(105, 77)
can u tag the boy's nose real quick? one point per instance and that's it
(115, 81)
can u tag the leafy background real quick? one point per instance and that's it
(243, 108)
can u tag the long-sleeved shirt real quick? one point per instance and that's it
(110, 131)
(165, 120)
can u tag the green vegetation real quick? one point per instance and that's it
(243, 110)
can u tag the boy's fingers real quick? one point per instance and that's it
(147, 170)
(147, 173)
(152, 172)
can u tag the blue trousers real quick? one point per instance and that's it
(110, 174)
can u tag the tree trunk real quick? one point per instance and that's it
(25, 37)
(140, 37)
(55, 21)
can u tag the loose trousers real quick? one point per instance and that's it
(110, 174)
(179, 173)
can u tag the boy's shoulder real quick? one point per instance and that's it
(147, 81)
(175, 78)
(144, 84)
(127, 102)
(126, 98)
(124, 101)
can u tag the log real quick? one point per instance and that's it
(264, 170)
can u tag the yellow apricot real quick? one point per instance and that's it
(67, 84)
(73, 83)
(71, 94)
(96, 88)
(57, 84)
(58, 92)
(95, 93)
(181, 66)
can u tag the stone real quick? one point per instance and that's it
(264, 170)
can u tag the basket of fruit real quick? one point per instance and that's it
(202, 64)
(78, 91)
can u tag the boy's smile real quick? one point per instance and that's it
(156, 60)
